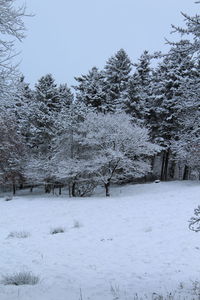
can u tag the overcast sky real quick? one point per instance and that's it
(68, 37)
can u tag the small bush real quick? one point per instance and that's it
(57, 230)
(84, 189)
(20, 278)
(19, 234)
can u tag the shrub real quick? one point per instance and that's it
(84, 189)
(20, 278)
(57, 230)
(19, 234)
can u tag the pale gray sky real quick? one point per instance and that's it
(68, 37)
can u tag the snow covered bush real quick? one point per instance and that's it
(21, 278)
(84, 188)
(57, 230)
(19, 234)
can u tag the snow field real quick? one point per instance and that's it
(136, 241)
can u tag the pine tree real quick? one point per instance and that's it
(187, 146)
(117, 73)
(136, 95)
(167, 101)
(65, 96)
(191, 46)
(46, 91)
(91, 89)
(68, 154)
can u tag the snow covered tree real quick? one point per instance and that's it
(11, 29)
(174, 99)
(49, 103)
(38, 114)
(167, 101)
(12, 153)
(102, 148)
(187, 146)
(135, 97)
(22, 97)
(46, 91)
(117, 73)
(192, 29)
(39, 128)
(65, 96)
(117, 149)
(11, 144)
(69, 157)
(91, 89)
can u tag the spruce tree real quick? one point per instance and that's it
(91, 89)
(117, 73)
(46, 91)
(187, 146)
(65, 96)
(167, 101)
(136, 95)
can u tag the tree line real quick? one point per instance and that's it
(115, 125)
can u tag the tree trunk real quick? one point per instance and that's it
(172, 169)
(186, 173)
(107, 187)
(14, 189)
(73, 189)
(162, 167)
(47, 188)
(165, 162)
(166, 165)
(31, 189)
(69, 190)
(60, 190)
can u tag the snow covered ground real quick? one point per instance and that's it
(136, 241)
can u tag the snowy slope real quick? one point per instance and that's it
(136, 241)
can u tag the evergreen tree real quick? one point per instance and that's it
(192, 45)
(46, 91)
(65, 96)
(68, 154)
(167, 101)
(167, 95)
(136, 95)
(91, 89)
(117, 73)
(186, 147)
